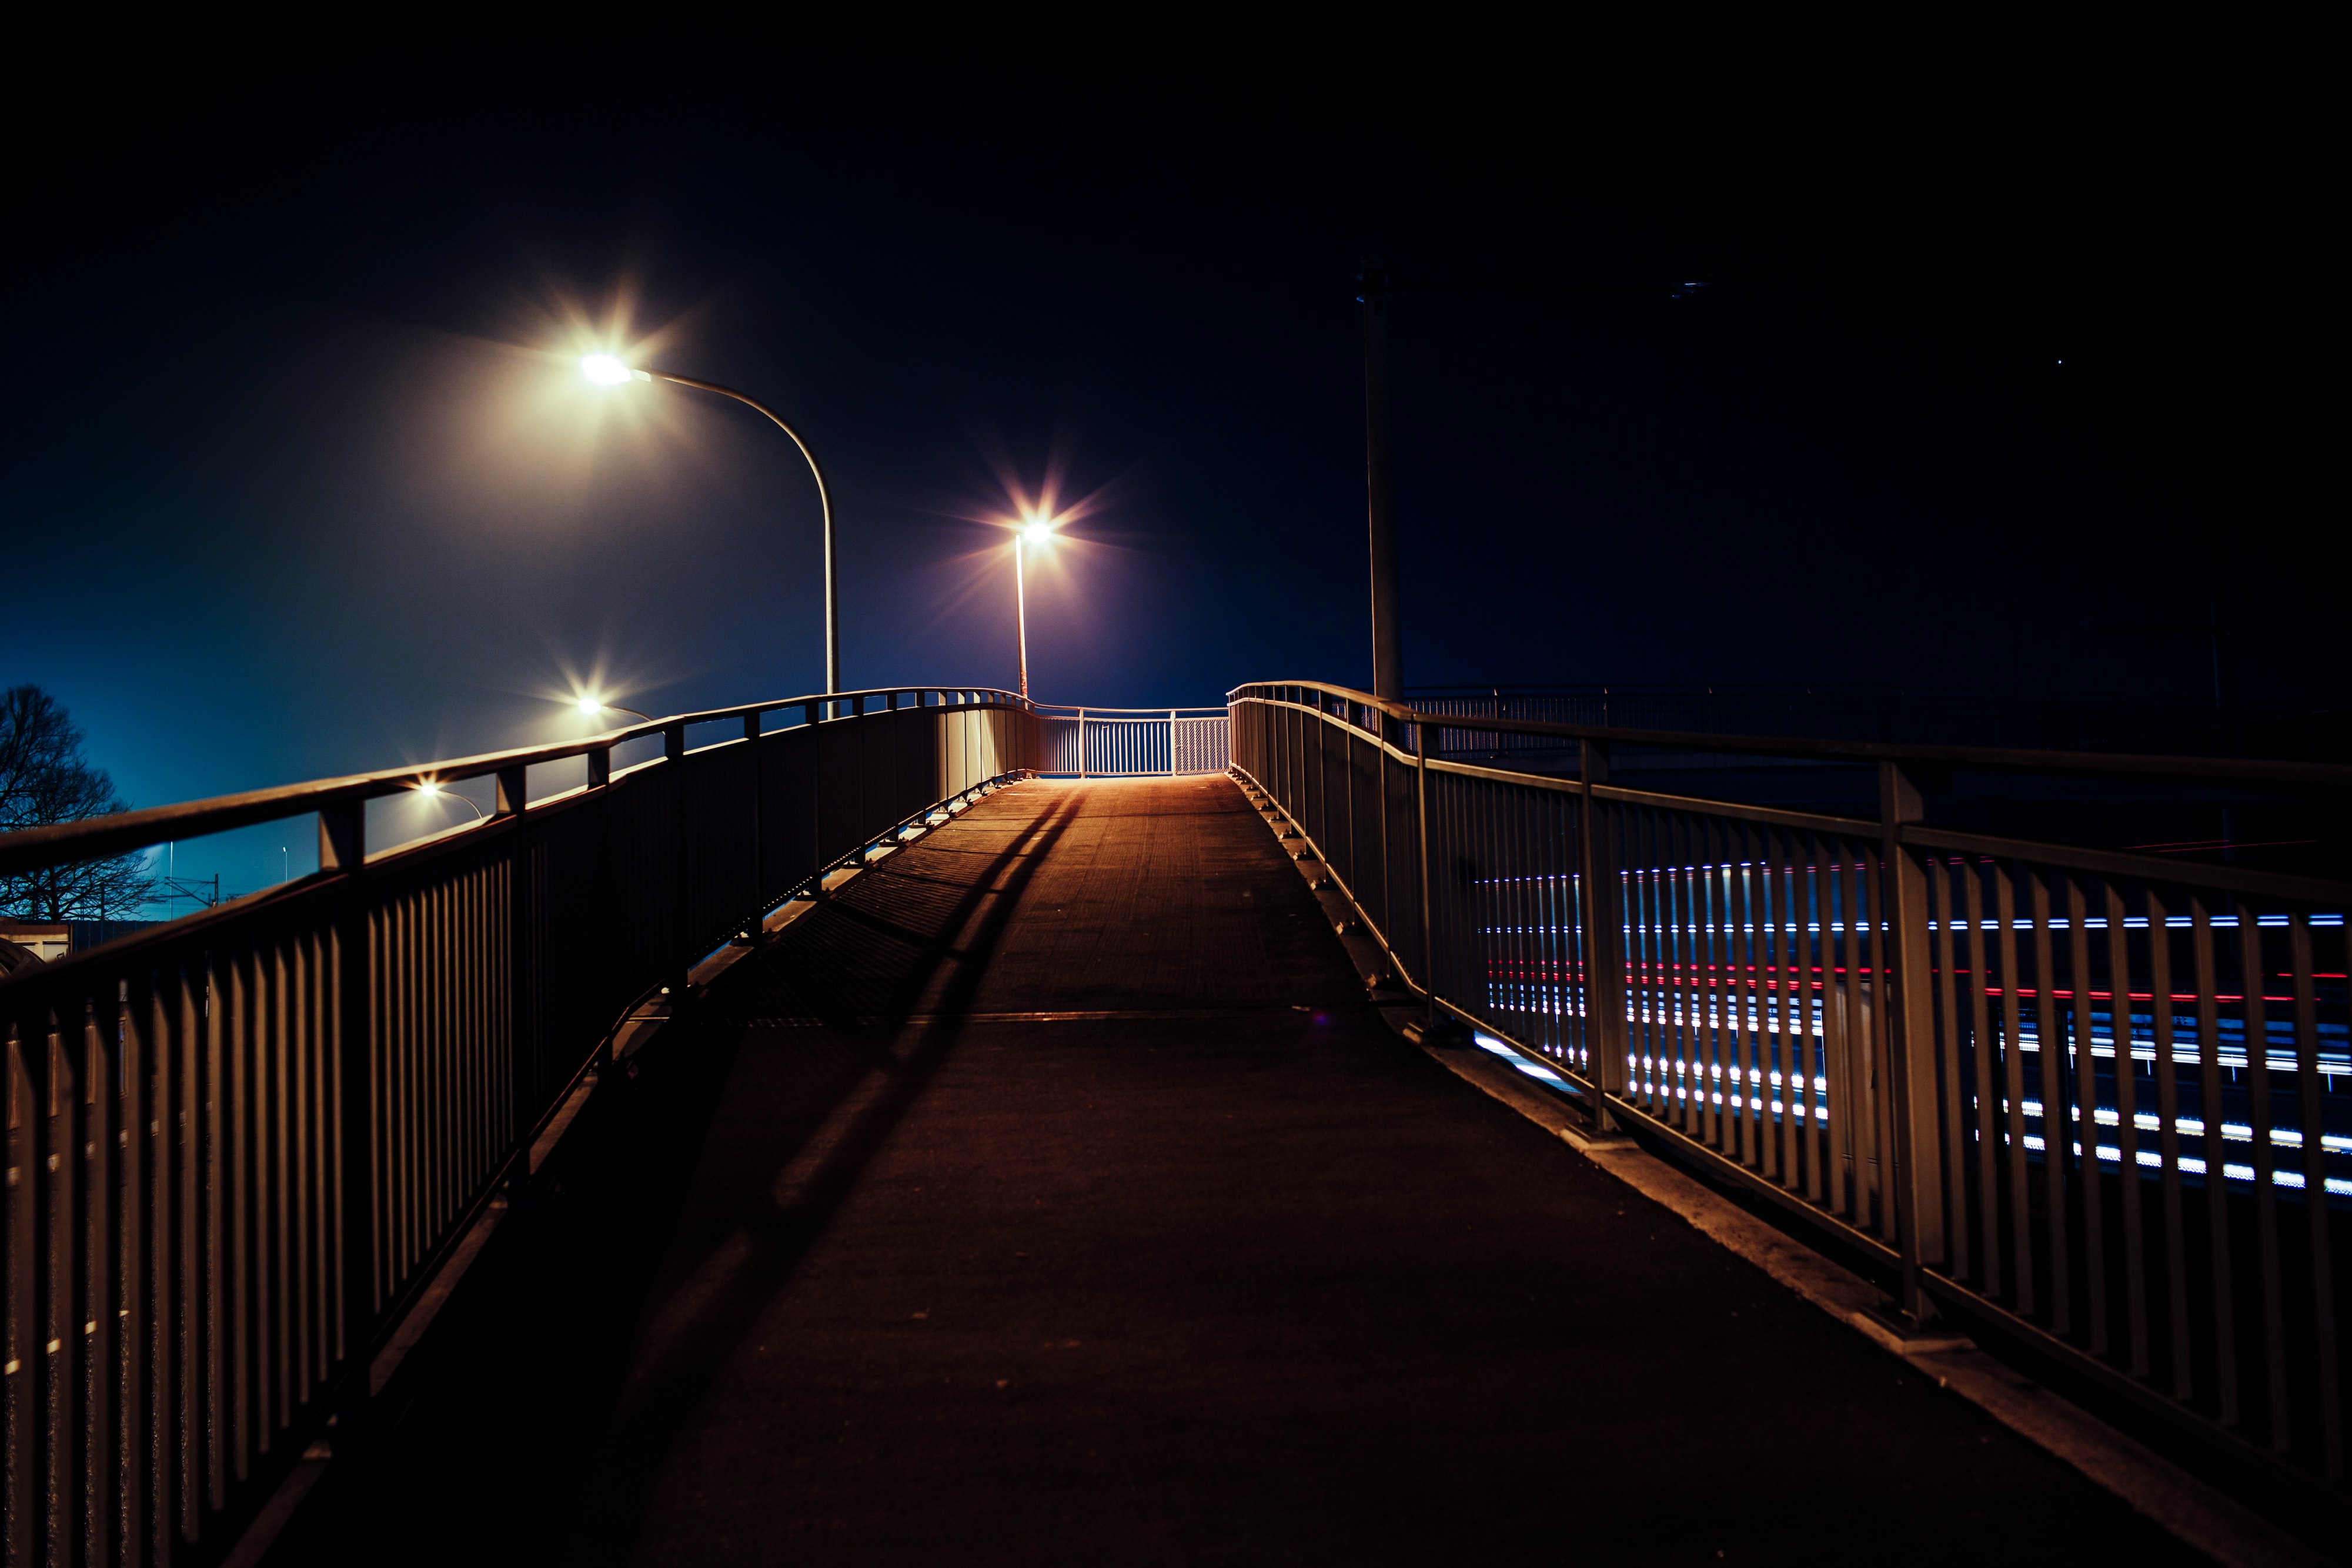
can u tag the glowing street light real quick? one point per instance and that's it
(431, 789)
(607, 371)
(592, 706)
(1037, 531)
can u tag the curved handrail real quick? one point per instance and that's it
(32, 848)
(2184, 769)
(1057, 710)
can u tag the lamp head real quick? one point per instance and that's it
(590, 707)
(1039, 530)
(606, 370)
(429, 786)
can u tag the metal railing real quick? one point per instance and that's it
(1898, 714)
(238, 1144)
(1121, 742)
(2095, 1099)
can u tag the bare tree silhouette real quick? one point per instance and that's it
(44, 780)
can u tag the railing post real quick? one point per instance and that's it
(1421, 805)
(342, 851)
(681, 932)
(1603, 906)
(1171, 742)
(759, 822)
(1917, 1185)
(509, 799)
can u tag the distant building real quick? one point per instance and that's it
(45, 939)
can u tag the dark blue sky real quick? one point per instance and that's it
(298, 477)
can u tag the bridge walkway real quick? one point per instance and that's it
(1052, 1193)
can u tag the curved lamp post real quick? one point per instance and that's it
(606, 371)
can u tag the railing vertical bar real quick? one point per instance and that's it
(1757, 965)
(1781, 937)
(1420, 840)
(2049, 1030)
(2120, 1030)
(2168, 1122)
(277, 1202)
(1796, 1014)
(1682, 932)
(1884, 1087)
(2012, 1049)
(56, 1332)
(183, 1376)
(1605, 967)
(1560, 929)
(94, 1334)
(1812, 1016)
(1739, 971)
(440, 1047)
(1632, 865)
(1984, 1050)
(2311, 1121)
(2084, 1118)
(1837, 1034)
(302, 1159)
(20, 1405)
(1909, 1005)
(217, 1398)
(1508, 875)
(1953, 1144)
(1657, 857)
(2261, 1116)
(1710, 908)
(132, 1241)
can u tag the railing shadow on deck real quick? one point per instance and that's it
(579, 1332)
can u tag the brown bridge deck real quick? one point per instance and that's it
(869, 1264)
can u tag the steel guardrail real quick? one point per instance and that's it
(2099, 1101)
(239, 1143)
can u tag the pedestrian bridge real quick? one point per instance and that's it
(849, 1139)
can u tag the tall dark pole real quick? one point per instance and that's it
(1380, 485)
(1021, 606)
(1374, 288)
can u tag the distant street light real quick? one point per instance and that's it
(592, 706)
(1039, 531)
(606, 371)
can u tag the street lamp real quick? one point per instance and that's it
(606, 371)
(1039, 531)
(592, 706)
(431, 789)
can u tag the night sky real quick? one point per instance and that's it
(2005, 334)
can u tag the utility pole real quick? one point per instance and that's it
(1380, 485)
(1374, 288)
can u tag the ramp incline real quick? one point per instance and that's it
(1051, 1194)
